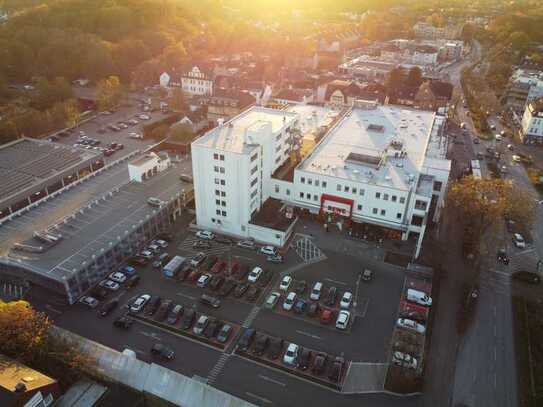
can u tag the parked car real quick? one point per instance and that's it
(334, 373)
(268, 250)
(261, 343)
(200, 325)
(276, 259)
(285, 283)
(147, 254)
(201, 244)
(404, 360)
(254, 275)
(413, 315)
(316, 291)
(203, 280)
(174, 314)
(110, 285)
(162, 351)
(140, 303)
(418, 297)
(153, 305)
(212, 328)
(198, 259)
(246, 339)
(224, 333)
(304, 358)
(163, 310)
(128, 270)
(211, 301)
(519, 241)
(108, 307)
(301, 286)
(527, 276)
(123, 322)
(188, 319)
(411, 325)
(247, 244)
(241, 288)
(216, 282)
(291, 355)
(319, 364)
(331, 298)
(327, 316)
(265, 278)
(346, 300)
(313, 309)
(300, 306)
(154, 201)
(117, 277)
(275, 348)
(342, 321)
(502, 256)
(227, 287)
(289, 301)
(89, 301)
(205, 235)
(272, 299)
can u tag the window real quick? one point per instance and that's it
(288, 192)
(217, 192)
(243, 228)
(324, 184)
(316, 182)
(361, 192)
(315, 198)
(378, 195)
(398, 215)
(276, 188)
(221, 157)
(216, 168)
(279, 136)
(223, 213)
(217, 201)
(253, 194)
(277, 160)
(339, 187)
(301, 195)
(217, 181)
(213, 220)
(394, 198)
(402, 200)
(221, 170)
(309, 181)
(253, 182)
(278, 148)
(223, 194)
(355, 190)
(375, 211)
(383, 212)
(218, 212)
(223, 203)
(215, 156)
(421, 205)
(385, 197)
(254, 157)
(438, 185)
(359, 207)
(254, 169)
(346, 189)
(417, 220)
(302, 180)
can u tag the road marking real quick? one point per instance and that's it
(367, 302)
(50, 308)
(269, 379)
(495, 380)
(495, 353)
(150, 335)
(190, 297)
(474, 375)
(262, 399)
(308, 334)
(336, 281)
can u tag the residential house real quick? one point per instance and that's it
(345, 93)
(195, 118)
(532, 122)
(227, 103)
(197, 81)
(294, 96)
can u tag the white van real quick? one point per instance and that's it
(418, 297)
(316, 291)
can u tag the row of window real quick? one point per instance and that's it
(218, 169)
(220, 203)
(310, 182)
(386, 197)
(218, 156)
(220, 193)
(219, 181)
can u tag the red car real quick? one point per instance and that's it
(327, 316)
(218, 266)
(193, 276)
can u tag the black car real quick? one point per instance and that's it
(300, 306)
(162, 351)
(334, 373)
(527, 277)
(261, 343)
(212, 328)
(265, 278)
(224, 333)
(502, 256)
(332, 296)
(153, 305)
(241, 289)
(188, 319)
(246, 339)
(320, 363)
(108, 307)
(137, 261)
(313, 309)
(253, 293)
(304, 357)
(123, 322)
(275, 348)
(201, 244)
(301, 286)
(163, 310)
(216, 282)
(227, 287)
(174, 314)
(208, 263)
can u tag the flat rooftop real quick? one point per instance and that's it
(270, 216)
(313, 117)
(238, 132)
(26, 163)
(88, 230)
(384, 145)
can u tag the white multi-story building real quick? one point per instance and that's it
(196, 82)
(428, 31)
(232, 168)
(424, 55)
(381, 165)
(532, 122)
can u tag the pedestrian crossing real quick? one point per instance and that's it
(217, 369)
(306, 249)
(251, 317)
(217, 249)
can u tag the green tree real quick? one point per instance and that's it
(109, 93)
(177, 100)
(414, 77)
(182, 132)
(160, 132)
(395, 80)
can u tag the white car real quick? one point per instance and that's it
(203, 280)
(404, 360)
(516, 158)
(147, 254)
(268, 250)
(198, 259)
(342, 321)
(291, 355)
(162, 243)
(410, 324)
(144, 117)
(498, 137)
(117, 277)
(89, 301)
(346, 300)
(205, 235)
(285, 283)
(135, 136)
(519, 241)
(110, 285)
(140, 302)
(289, 301)
(254, 274)
(272, 300)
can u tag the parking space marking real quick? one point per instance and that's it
(262, 399)
(269, 379)
(335, 281)
(309, 335)
(366, 303)
(190, 297)
(50, 308)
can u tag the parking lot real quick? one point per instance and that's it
(373, 313)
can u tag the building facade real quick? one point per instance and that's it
(532, 122)
(197, 82)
